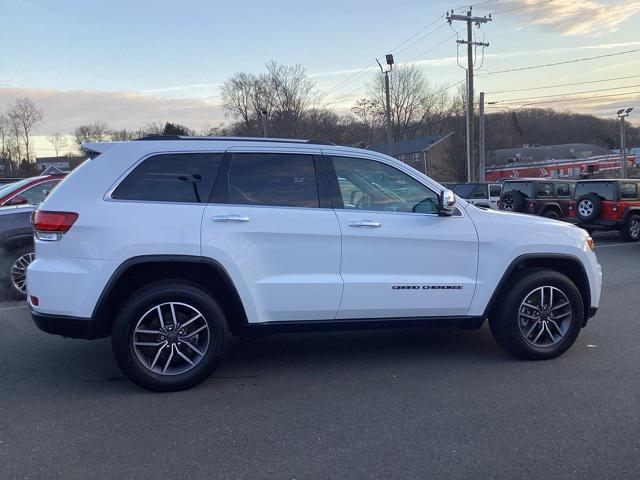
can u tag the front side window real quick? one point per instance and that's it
(563, 190)
(544, 190)
(628, 191)
(375, 186)
(273, 179)
(175, 177)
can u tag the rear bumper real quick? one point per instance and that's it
(71, 327)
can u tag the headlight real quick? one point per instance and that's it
(590, 244)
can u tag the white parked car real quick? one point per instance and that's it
(170, 245)
(480, 194)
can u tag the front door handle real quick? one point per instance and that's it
(365, 224)
(230, 218)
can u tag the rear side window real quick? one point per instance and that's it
(525, 188)
(544, 190)
(495, 190)
(176, 177)
(563, 190)
(273, 179)
(628, 191)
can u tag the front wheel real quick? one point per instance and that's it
(169, 336)
(630, 232)
(541, 316)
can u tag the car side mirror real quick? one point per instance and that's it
(18, 200)
(446, 203)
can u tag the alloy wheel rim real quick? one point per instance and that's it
(508, 204)
(585, 208)
(544, 316)
(171, 338)
(634, 228)
(19, 271)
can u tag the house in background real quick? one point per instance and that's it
(439, 156)
(57, 165)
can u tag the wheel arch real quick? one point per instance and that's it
(551, 206)
(12, 242)
(138, 271)
(568, 265)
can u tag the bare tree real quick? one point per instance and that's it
(271, 102)
(58, 142)
(6, 144)
(25, 116)
(97, 131)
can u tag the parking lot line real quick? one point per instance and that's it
(618, 245)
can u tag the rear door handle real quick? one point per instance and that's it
(365, 224)
(230, 218)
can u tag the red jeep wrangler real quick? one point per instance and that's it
(607, 205)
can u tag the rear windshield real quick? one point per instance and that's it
(605, 190)
(526, 188)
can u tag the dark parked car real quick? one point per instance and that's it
(608, 204)
(16, 246)
(28, 191)
(538, 196)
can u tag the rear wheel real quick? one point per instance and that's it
(630, 232)
(540, 317)
(169, 336)
(551, 214)
(15, 270)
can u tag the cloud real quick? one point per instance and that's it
(64, 110)
(571, 17)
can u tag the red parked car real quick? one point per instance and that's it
(29, 191)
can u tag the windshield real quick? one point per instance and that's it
(12, 187)
(526, 188)
(605, 190)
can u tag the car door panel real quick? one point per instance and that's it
(286, 259)
(402, 264)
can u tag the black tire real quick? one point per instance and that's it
(512, 201)
(505, 322)
(592, 205)
(143, 301)
(630, 232)
(8, 261)
(552, 214)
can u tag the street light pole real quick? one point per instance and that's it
(389, 59)
(622, 114)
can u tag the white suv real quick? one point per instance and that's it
(170, 245)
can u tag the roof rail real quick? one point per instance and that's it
(236, 139)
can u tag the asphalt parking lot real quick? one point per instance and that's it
(383, 404)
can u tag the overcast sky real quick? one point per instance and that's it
(132, 62)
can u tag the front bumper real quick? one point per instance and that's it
(71, 327)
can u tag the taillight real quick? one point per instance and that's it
(52, 225)
(614, 207)
(572, 205)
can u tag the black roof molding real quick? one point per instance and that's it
(235, 139)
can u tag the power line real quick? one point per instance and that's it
(417, 33)
(565, 94)
(531, 67)
(576, 98)
(557, 85)
(432, 48)
(522, 7)
(419, 39)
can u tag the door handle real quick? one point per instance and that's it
(230, 218)
(365, 223)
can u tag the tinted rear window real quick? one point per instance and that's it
(176, 177)
(604, 190)
(526, 188)
(275, 179)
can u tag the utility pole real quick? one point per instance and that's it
(622, 114)
(470, 19)
(389, 58)
(481, 138)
